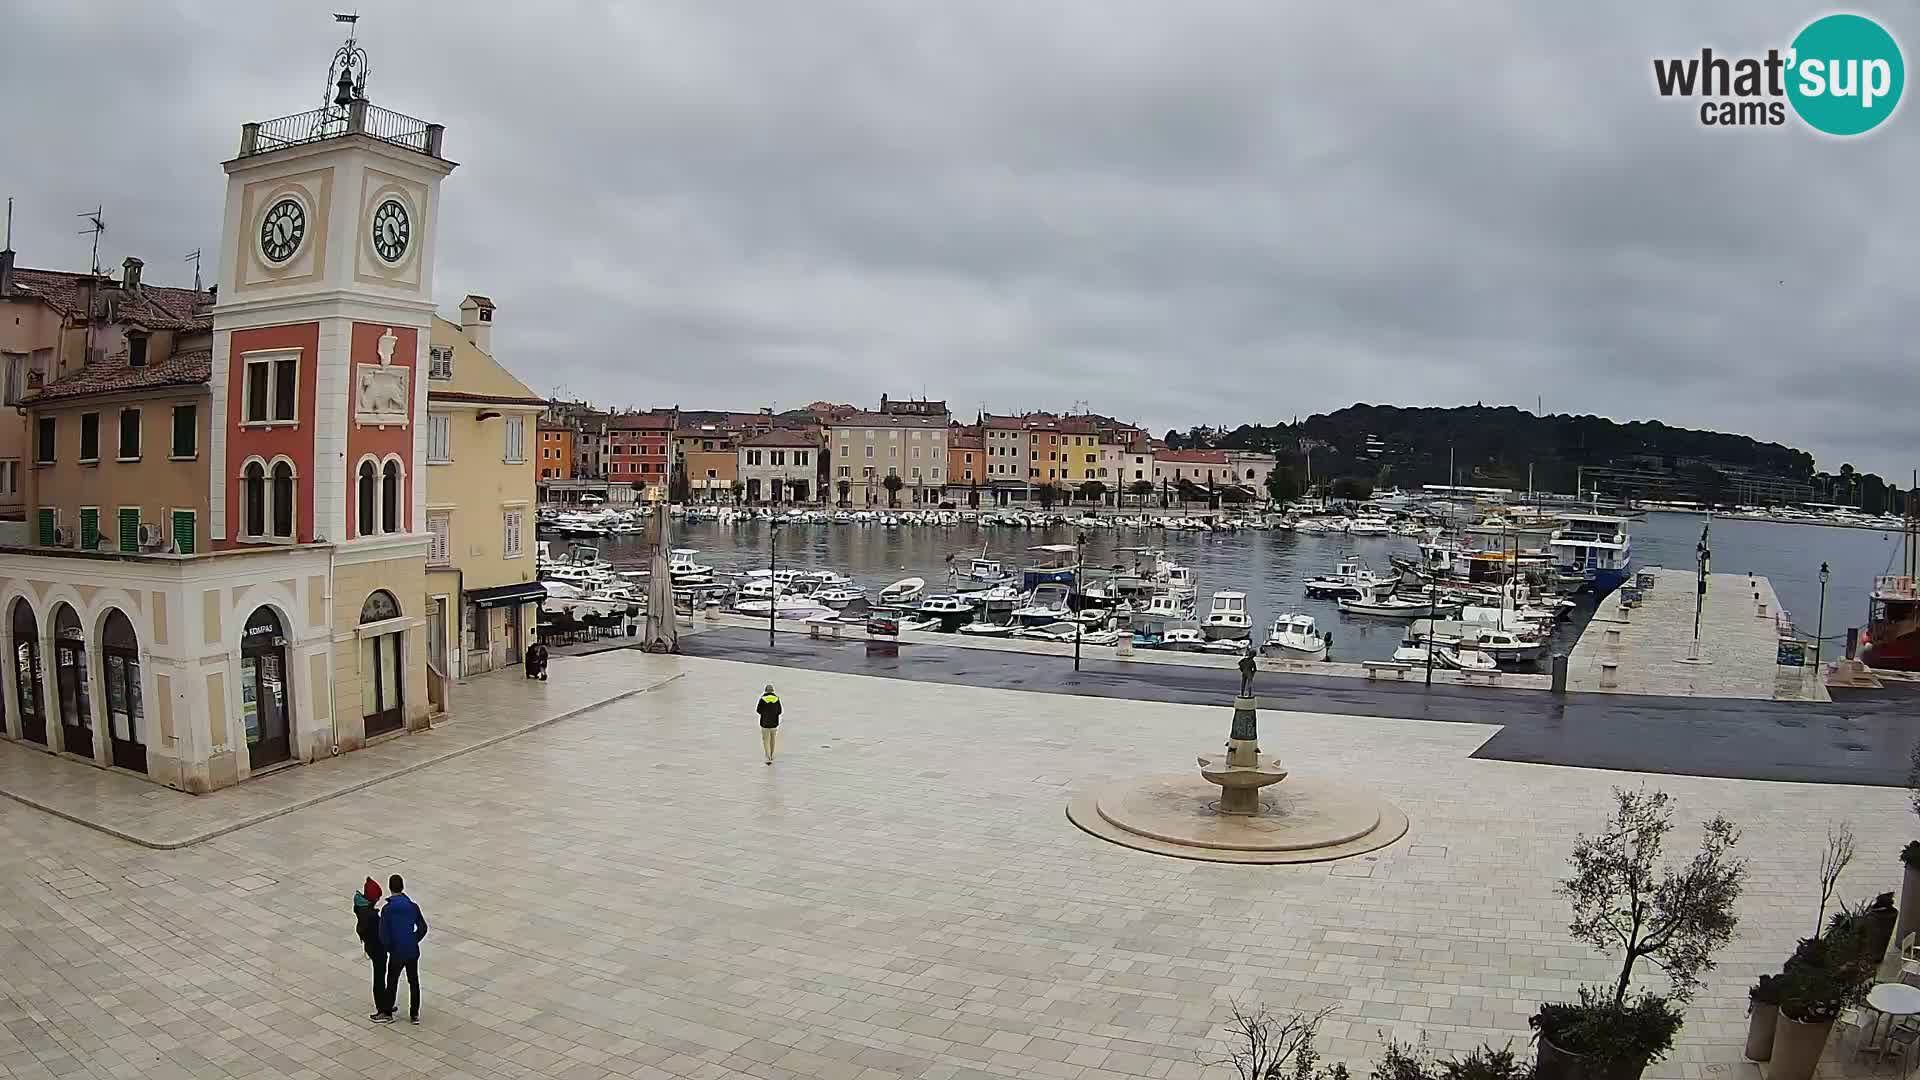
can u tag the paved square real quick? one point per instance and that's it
(630, 892)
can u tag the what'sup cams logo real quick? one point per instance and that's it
(1842, 75)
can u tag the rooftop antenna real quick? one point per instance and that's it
(194, 258)
(96, 225)
(7, 244)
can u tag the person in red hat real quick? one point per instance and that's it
(366, 913)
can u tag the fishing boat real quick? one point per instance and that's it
(1892, 637)
(1227, 618)
(1397, 607)
(1047, 604)
(1053, 564)
(1468, 658)
(982, 574)
(1597, 548)
(1061, 630)
(997, 601)
(1159, 612)
(1369, 525)
(1410, 653)
(904, 591)
(950, 611)
(1294, 637)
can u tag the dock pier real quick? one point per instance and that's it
(1648, 649)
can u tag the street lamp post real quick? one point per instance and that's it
(773, 590)
(1079, 577)
(1820, 630)
(1430, 644)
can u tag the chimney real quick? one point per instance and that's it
(476, 320)
(130, 276)
(6, 271)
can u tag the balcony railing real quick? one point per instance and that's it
(359, 118)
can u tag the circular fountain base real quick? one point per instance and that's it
(1302, 820)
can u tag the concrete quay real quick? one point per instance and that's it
(1648, 649)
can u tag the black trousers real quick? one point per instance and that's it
(411, 965)
(380, 998)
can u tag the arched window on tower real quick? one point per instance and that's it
(390, 498)
(253, 497)
(283, 500)
(369, 480)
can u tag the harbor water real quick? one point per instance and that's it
(1272, 567)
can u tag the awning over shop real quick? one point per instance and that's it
(525, 592)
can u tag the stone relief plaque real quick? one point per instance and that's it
(380, 394)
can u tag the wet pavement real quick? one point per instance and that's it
(1863, 739)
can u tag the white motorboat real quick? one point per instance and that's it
(912, 623)
(1369, 525)
(999, 600)
(1409, 653)
(1468, 658)
(1228, 646)
(1047, 604)
(1352, 580)
(838, 597)
(1102, 637)
(1053, 631)
(951, 612)
(982, 574)
(1227, 619)
(904, 591)
(1183, 639)
(1294, 637)
(685, 571)
(1397, 607)
(1506, 646)
(786, 607)
(987, 629)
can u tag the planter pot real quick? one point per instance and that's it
(1797, 1048)
(1557, 1064)
(1881, 922)
(1909, 902)
(1760, 1025)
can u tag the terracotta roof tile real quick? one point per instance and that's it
(154, 307)
(782, 437)
(190, 368)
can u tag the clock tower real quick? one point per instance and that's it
(319, 369)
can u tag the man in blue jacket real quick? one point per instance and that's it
(401, 928)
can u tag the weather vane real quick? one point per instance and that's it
(347, 74)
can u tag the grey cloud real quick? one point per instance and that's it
(1207, 212)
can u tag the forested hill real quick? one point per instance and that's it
(1496, 446)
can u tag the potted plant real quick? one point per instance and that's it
(1402, 1061)
(1881, 918)
(1909, 891)
(1626, 901)
(1763, 1009)
(1825, 975)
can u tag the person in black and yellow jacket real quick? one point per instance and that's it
(769, 710)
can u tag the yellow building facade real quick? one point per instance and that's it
(482, 582)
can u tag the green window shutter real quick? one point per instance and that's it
(130, 529)
(46, 528)
(89, 528)
(183, 531)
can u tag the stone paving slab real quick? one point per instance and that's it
(633, 894)
(484, 710)
(1739, 646)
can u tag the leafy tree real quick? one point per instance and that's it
(1282, 485)
(1140, 489)
(845, 487)
(1048, 494)
(739, 489)
(973, 496)
(1350, 487)
(1236, 495)
(1624, 899)
(679, 488)
(893, 484)
(1093, 489)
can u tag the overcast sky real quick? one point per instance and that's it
(1177, 212)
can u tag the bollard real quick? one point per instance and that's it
(1124, 647)
(1559, 673)
(1613, 639)
(1609, 674)
(1762, 612)
(1853, 641)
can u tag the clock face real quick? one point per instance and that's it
(391, 230)
(282, 230)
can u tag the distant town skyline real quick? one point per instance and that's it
(1134, 206)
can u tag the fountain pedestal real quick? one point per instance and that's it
(1223, 815)
(1243, 770)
